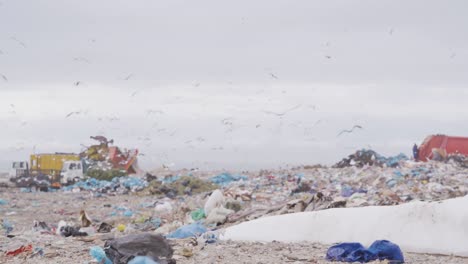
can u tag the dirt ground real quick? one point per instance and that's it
(23, 208)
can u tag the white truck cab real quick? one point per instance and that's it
(18, 169)
(72, 171)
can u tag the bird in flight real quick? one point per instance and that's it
(273, 76)
(128, 77)
(77, 83)
(72, 113)
(328, 57)
(4, 78)
(19, 42)
(349, 130)
(280, 114)
(78, 59)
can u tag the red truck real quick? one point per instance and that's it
(442, 143)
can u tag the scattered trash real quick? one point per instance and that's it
(66, 230)
(84, 218)
(234, 205)
(3, 202)
(198, 214)
(38, 251)
(40, 226)
(22, 249)
(104, 228)
(216, 199)
(186, 252)
(121, 227)
(226, 178)
(218, 216)
(7, 226)
(124, 249)
(210, 237)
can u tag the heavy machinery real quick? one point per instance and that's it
(56, 169)
(47, 168)
(441, 146)
(103, 156)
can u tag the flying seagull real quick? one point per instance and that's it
(350, 130)
(128, 77)
(134, 93)
(19, 42)
(4, 78)
(273, 76)
(78, 59)
(72, 113)
(284, 112)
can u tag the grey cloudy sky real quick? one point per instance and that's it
(203, 75)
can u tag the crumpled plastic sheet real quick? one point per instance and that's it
(226, 178)
(99, 255)
(186, 231)
(355, 252)
(22, 249)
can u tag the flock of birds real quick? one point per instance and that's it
(227, 122)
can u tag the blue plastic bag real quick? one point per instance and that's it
(142, 260)
(191, 230)
(341, 251)
(355, 252)
(384, 249)
(98, 254)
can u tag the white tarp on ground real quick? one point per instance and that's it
(422, 227)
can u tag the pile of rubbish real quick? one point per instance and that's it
(118, 184)
(183, 211)
(365, 157)
(186, 185)
(460, 160)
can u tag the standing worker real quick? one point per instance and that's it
(415, 152)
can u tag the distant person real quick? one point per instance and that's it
(416, 152)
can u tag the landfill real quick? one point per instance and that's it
(187, 212)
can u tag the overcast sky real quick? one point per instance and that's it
(194, 83)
